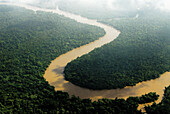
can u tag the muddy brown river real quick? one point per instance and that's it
(54, 73)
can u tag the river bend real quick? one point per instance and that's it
(54, 73)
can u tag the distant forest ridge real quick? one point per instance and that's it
(140, 53)
(30, 41)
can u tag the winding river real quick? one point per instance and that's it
(54, 73)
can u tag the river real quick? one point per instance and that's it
(54, 73)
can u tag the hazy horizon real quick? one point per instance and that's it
(121, 5)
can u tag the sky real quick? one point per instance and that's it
(130, 4)
(110, 4)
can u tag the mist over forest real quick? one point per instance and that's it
(122, 5)
(98, 9)
(34, 34)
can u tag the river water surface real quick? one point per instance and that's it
(54, 73)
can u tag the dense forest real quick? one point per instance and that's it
(140, 53)
(28, 42)
(163, 107)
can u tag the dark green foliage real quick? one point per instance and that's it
(163, 107)
(28, 42)
(117, 106)
(147, 98)
(140, 53)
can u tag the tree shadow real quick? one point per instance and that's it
(59, 70)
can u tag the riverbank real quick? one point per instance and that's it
(54, 73)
